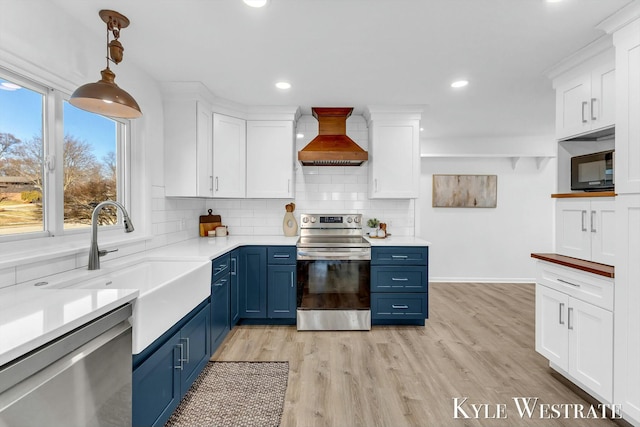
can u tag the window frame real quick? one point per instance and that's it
(52, 164)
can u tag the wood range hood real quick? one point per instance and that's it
(332, 146)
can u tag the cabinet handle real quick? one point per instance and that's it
(569, 325)
(181, 366)
(292, 279)
(216, 183)
(288, 186)
(220, 282)
(584, 220)
(561, 307)
(593, 221)
(235, 266)
(568, 283)
(375, 185)
(593, 117)
(186, 360)
(221, 267)
(399, 256)
(404, 307)
(399, 279)
(285, 256)
(211, 183)
(584, 104)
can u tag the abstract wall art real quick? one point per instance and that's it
(465, 191)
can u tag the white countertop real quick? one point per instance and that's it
(398, 241)
(31, 316)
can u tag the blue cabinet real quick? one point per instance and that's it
(267, 282)
(281, 282)
(253, 282)
(234, 288)
(281, 291)
(220, 300)
(399, 285)
(166, 369)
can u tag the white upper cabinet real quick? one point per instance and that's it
(270, 159)
(187, 144)
(229, 152)
(627, 42)
(586, 229)
(585, 97)
(394, 154)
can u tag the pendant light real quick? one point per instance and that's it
(104, 96)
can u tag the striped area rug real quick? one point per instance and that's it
(234, 394)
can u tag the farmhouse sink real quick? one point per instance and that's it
(168, 290)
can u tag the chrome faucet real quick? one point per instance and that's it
(94, 252)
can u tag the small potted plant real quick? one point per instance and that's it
(373, 223)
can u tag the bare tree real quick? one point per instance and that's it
(7, 141)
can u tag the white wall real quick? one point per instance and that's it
(489, 245)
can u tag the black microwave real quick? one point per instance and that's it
(593, 172)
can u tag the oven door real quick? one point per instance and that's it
(333, 289)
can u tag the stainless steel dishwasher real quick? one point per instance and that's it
(80, 379)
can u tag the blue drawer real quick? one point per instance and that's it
(220, 267)
(399, 255)
(398, 279)
(407, 306)
(281, 255)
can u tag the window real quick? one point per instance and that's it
(57, 162)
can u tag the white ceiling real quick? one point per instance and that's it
(366, 52)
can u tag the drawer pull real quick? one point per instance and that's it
(568, 283)
(404, 307)
(561, 306)
(220, 282)
(286, 256)
(399, 256)
(399, 279)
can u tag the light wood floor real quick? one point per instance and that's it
(478, 343)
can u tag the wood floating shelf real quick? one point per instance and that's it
(584, 194)
(577, 263)
(515, 158)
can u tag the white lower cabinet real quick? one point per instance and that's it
(574, 326)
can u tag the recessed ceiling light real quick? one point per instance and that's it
(283, 85)
(299, 135)
(256, 3)
(553, 1)
(421, 129)
(459, 83)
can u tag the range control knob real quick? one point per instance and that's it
(313, 219)
(357, 220)
(349, 219)
(305, 219)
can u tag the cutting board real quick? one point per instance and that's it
(208, 223)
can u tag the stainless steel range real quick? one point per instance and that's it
(333, 264)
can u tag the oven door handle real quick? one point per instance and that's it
(319, 255)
